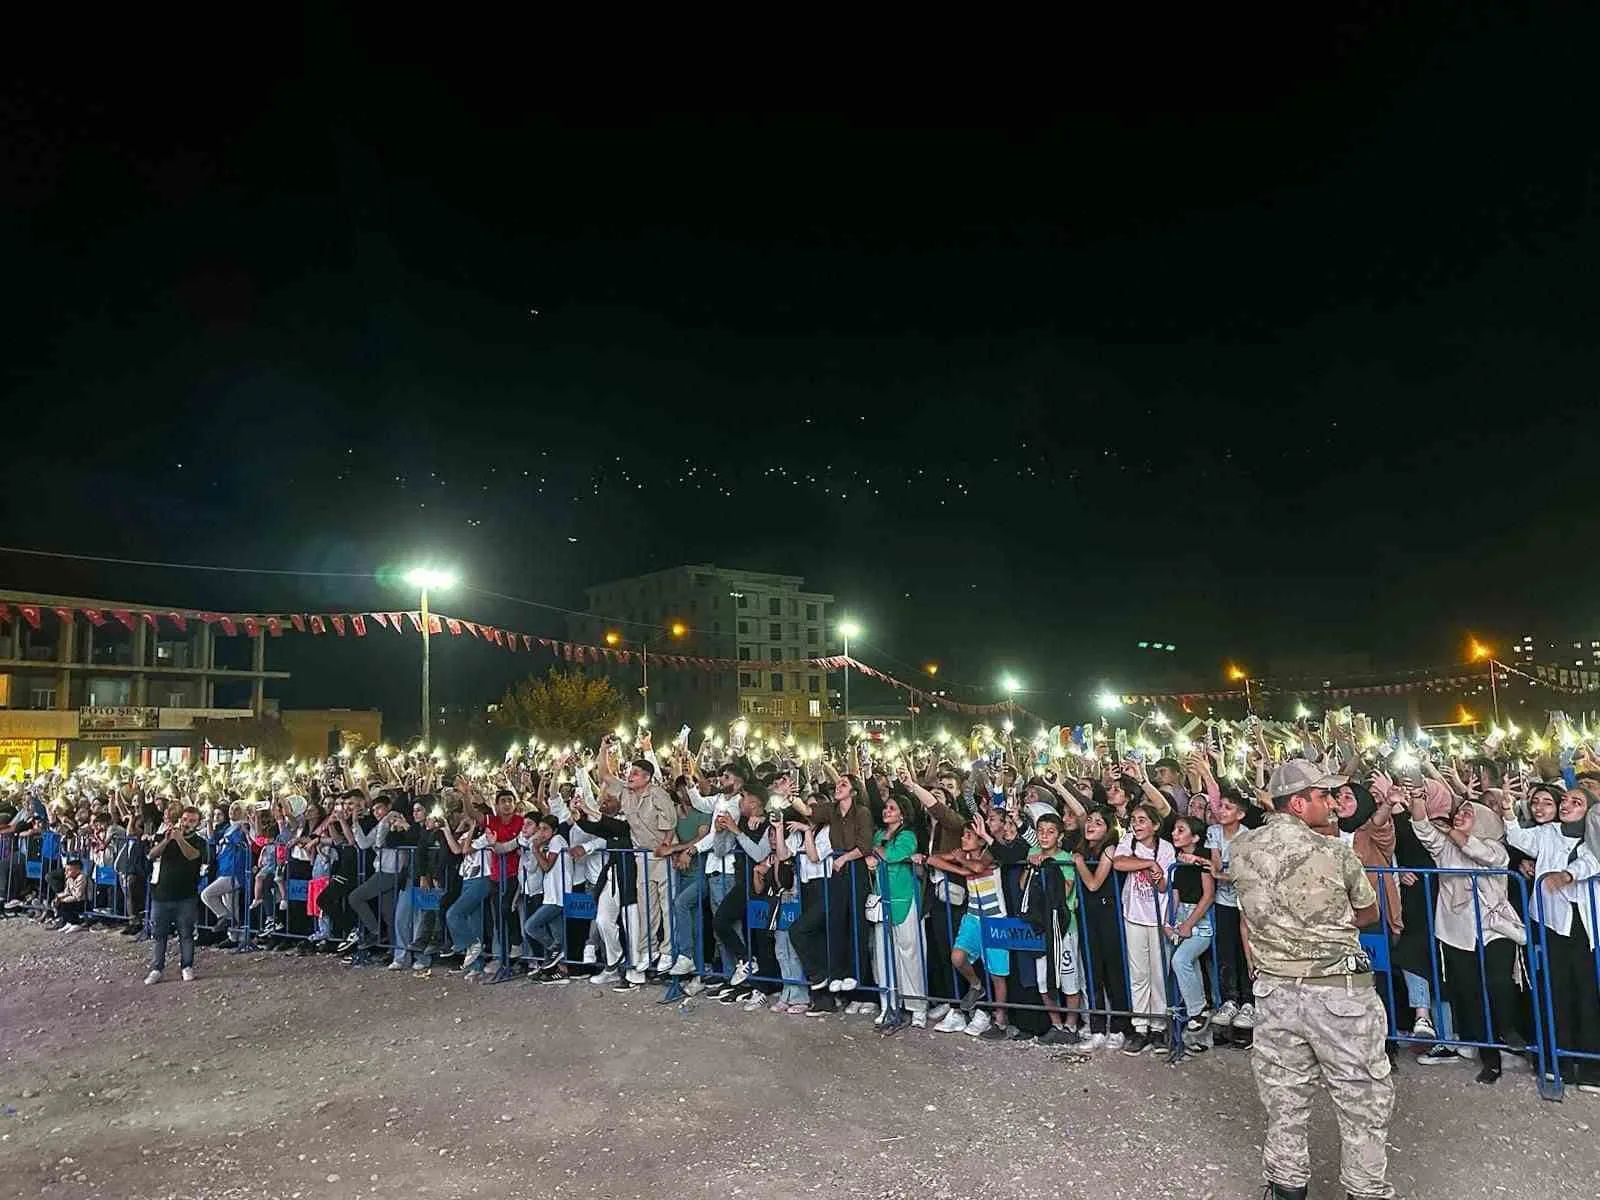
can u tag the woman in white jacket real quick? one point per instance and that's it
(1563, 865)
(1472, 911)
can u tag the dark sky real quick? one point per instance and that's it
(1260, 339)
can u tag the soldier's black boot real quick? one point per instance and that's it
(1276, 1191)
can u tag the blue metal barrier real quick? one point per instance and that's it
(1585, 1059)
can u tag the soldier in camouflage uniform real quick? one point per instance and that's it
(1302, 896)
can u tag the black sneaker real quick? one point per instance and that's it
(1488, 1074)
(823, 1005)
(970, 1000)
(732, 995)
(996, 1033)
(1135, 1045)
(622, 985)
(1060, 1035)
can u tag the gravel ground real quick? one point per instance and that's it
(275, 1076)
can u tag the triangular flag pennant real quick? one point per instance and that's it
(65, 614)
(395, 622)
(566, 651)
(95, 616)
(472, 629)
(179, 620)
(318, 625)
(275, 626)
(338, 623)
(150, 617)
(252, 627)
(527, 641)
(453, 625)
(5, 612)
(30, 614)
(435, 626)
(224, 623)
(546, 643)
(486, 632)
(381, 619)
(358, 622)
(416, 620)
(298, 620)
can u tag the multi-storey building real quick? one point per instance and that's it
(748, 617)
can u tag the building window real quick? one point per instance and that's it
(794, 681)
(744, 601)
(811, 637)
(744, 653)
(814, 707)
(794, 630)
(813, 684)
(774, 607)
(794, 653)
(775, 654)
(794, 608)
(811, 612)
(746, 679)
(716, 627)
(177, 699)
(744, 626)
(777, 682)
(774, 632)
(41, 697)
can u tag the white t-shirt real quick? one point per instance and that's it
(555, 879)
(805, 870)
(1216, 839)
(1139, 896)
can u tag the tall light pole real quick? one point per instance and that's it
(847, 630)
(1240, 675)
(676, 630)
(424, 579)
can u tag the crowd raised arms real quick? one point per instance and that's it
(1076, 888)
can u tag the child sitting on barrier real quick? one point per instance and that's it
(69, 901)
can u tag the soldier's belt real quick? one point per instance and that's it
(1362, 980)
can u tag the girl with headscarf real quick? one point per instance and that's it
(1471, 915)
(1563, 866)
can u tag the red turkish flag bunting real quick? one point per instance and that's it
(151, 618)
(416, 620)
(453, 625)
(486, 632)
(298, 620)
(178, 620)
(338, 623)
(395, 622)
(275, 626)
(226, 624)
(30, 614)
(472, 629)
(435, 626)
(381, 619)
(358, 622)
(5, 612)
(318, 625)
(252, 627)
(527, 641)
(65, 614)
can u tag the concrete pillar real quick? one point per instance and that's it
(202, 660)
(258, 686)
(66, 640)
(140, 658)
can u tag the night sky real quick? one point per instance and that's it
(1265, 342)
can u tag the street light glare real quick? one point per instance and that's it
(1009, 684)
(431, 578)
(678, 629)
(1109, 700)
(849, 628)
(613, 637)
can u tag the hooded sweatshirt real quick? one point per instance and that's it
(1456, 914)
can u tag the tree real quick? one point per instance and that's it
(561, 707)
(265, 735)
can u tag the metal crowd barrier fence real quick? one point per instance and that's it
(1570, 979)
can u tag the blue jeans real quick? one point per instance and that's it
(794, 974)
(547, 927)
(1186, 960)
(465, 918)
(165, 916)
(404, 926)
(1419, 995)
(686, 919)
(719, 885)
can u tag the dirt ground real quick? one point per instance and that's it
(274, 1076)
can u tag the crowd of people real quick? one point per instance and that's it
(1077, 896)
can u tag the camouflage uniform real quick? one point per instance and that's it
(1316, 1011)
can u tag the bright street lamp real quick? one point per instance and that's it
(1108, 701)
(847, 630)
(424, 579)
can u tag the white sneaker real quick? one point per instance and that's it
(188, 974)
(1115, 1041)
(847, 984)
(756, 1002)
(395, 965)
(419, 966)
(694, 987)
(589, 953)
(740, 974)
(473, 954)
(1423, 1028)
(664, 963)
(859, 1008)
(978, 1023)
(919, 1020)
(606, 978)
(878, 1020)
(71, 928)
(1246, 1018)
(953, 1022)
(636, 977)
(1223, 1018)
(684, 965)
(938, 1012)
(153, 977)
(1095, 1041)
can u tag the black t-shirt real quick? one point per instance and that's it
(178, 877)
(1187, 880)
